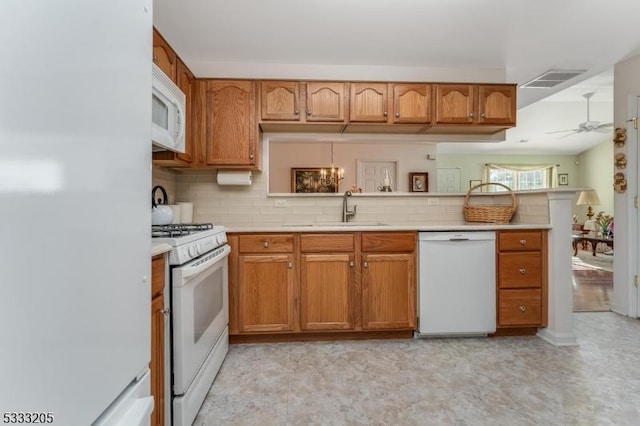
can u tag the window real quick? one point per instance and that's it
(520, 177)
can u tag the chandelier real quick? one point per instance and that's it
(331, 177)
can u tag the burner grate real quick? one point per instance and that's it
(178, 230)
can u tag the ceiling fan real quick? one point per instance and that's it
(587, 126)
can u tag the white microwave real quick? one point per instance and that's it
(167, 114)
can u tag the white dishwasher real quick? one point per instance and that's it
(457, 285)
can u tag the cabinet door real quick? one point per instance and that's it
(368, 102)
(497, 104)
(157, 360)
(411, 103)
(326, 101)
(164, 56)
(280, 100)
(454, 103)
(326, 292)
(266, 296)
(230, 123)
(388, 291)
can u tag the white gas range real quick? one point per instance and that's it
(199, 311)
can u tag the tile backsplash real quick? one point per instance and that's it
(250, 206)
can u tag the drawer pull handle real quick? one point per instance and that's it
(265, 244)
(523, 242)
(522, 270)
(523, 308)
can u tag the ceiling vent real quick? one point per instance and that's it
(552, 78)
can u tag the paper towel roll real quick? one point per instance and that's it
(186, 211)
(234, 177)
(177, 210)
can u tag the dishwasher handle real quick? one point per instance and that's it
(458, 239)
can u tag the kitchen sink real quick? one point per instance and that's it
(336, 224)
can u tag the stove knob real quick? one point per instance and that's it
(198, 248)
(185, 252)
(219, 239)
(192, 251)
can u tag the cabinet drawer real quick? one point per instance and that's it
(519, 270)
(265, 243)
(520, 307)
(157, 274)
(520, 241)
(388, 242)
(323, 243)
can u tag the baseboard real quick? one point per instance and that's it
(557, 339)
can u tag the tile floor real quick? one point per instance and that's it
(469, 381)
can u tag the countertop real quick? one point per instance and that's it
(365, 226)
(159, 248)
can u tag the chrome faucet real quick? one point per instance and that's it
(346, 213)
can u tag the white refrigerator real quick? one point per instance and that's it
(75, 179)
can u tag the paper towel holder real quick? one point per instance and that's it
(234, 177)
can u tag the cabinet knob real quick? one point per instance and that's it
(482, 115)
(155, 58)
(166, 311)
(296, 112)
(523, 308)
(265, 244)
(471, 114)
(251, 155)
(365, 264)
(397, 114)
(290, 265)
(309, 112)
(522, 270)
(523, 242)
(384, 113)
(351, 264)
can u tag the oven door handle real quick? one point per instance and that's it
(189, 271)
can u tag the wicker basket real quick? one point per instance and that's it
(489, 213)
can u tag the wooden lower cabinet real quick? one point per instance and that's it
(156, 366)
(521, 279)
(266, 298)
(388, 291)
(327, 292)
(324, 283)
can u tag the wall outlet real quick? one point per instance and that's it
(433, 201)
(280, 203)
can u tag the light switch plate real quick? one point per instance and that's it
(433, 201)
(280, 203)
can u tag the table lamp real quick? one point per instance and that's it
(588, 198)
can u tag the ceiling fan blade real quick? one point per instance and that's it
(562, 131)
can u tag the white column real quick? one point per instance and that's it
(559, 331)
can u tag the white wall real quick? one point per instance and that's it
(595, 170)
(411, 157)
(472, 165)
(626, 91)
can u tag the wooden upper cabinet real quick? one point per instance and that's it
(454, 103)
(280, 100)
(411, 103)
(164, 56)
(230, 123)
(326, 101)
(368, 102)
(497, 104)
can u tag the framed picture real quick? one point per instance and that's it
(419, 182)
(474, 182)
(563, 179)
(309, 179)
